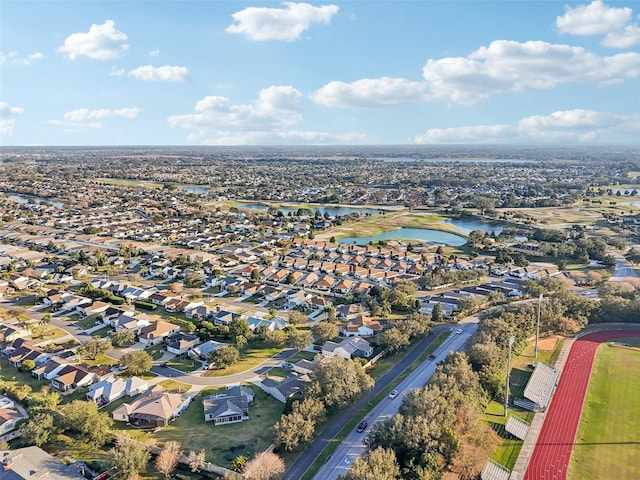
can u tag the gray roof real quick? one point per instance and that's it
(33, 463)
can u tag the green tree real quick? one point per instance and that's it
(275, 338)
(300, 339)
(379, 464)
(39, 429)
(255, 275)
(239, 463)
(337, 381)
(94, 347)
(27, 365)
(437, 314)
(128, 457)
(123, 338)
(326, 330)
(92, 425)
(136, 362)
(298, 427)
(296, 318)
(224, 357)
(393, 339)
(239, 327)
(45, 321)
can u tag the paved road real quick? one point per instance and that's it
(352, 446)
(304, 461)
(624, 269)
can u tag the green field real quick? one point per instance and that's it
(608, 440)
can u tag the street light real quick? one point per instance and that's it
(512, 339)
(535, 350)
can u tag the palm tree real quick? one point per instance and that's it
(45, 321)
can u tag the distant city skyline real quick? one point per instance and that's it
(319, 73)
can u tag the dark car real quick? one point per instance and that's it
(431, 357)
(362, 426)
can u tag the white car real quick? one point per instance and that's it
(458, 331)
(393, 393)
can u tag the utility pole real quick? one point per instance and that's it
(535, 350)
(512, 339)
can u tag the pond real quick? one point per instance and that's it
(467, 226)
(190, 189)
(38, 200)
(333, 211)
(421, 234)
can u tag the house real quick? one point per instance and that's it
(349, 348)
(202, 312)
(361, 326)
(153, 409)
(229, 407)
(306, 366)
(111, 388)
(182, 342)
(267, 323)
(131, 323)
(350, 311)
(225, 318)
(111, 314)
(49, 369)
(343, 287)
(281, 390)
(19, 282)
(295, 298)
(10, 418)
(72, 377)
(157, 332)
(29, 463)
(201, 351)
(93, 309)
(315, 302)
(9, 333)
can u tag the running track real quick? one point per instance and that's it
(551, 455)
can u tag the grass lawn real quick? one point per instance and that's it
(223, 443)
(174, 386)
(278, 372)
(49, 332)
(102, 332)
(302, 355)
(101, 360)
(88, 322)
(155, 351)
(608, 438)
(15, 376)
(184, 364)
(251, 355)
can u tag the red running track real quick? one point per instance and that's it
(551, 455)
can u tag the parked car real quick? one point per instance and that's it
(393, 393)
(362, 426)
(458, 331)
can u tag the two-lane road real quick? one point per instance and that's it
(352, 447)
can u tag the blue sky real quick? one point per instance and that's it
(296, 73)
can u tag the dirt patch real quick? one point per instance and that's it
(548, 343)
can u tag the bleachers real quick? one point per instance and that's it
(541, 385)
(516, 427)
(494, 471)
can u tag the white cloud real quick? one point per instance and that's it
(600, 19)
(83, 118)
(25, 61)
(7, 122)
(562, 126)
(116, 71)
(625, 38)
(269, 119)
(509, 66)
(155, 52)
(593, 19)
(503, 66)
(101, 42)
(288, 23)
(370, 92)
(8, 111)
(166, 73)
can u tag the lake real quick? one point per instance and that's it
(38, 200)
(333, 211)
(467, 226)
(198, 190)
(420, 234)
